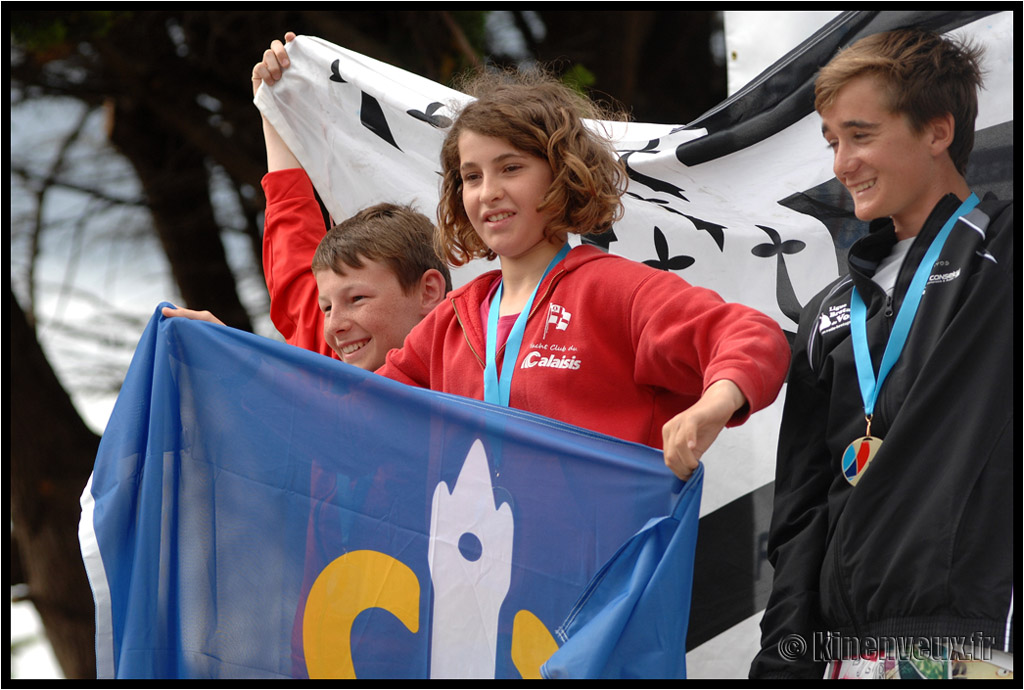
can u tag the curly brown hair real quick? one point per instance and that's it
(923, 76)
(543, 117)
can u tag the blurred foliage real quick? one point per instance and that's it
(45, 32)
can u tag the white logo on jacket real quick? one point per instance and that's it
(553, 361)
(837, 317)
(558, 316)
(943, 277)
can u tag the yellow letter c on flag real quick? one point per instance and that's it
(349, 585)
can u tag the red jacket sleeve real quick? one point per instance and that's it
(293, 228)
(687, 338)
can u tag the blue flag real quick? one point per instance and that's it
(634, 604)
(260, 511)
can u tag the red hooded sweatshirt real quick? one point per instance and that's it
(611, 345)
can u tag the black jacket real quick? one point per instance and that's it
(923, 546)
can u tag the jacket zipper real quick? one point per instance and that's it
(844, 595)
(466, 334)
(889, 315)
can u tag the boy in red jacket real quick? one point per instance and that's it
(354, 293)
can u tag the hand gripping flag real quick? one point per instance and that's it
(260, 511)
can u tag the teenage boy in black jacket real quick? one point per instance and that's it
(892, 536)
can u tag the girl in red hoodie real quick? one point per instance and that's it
(579, 335)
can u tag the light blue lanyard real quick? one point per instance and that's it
(496, 391)
(869, 387)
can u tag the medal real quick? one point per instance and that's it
(862, 451)
(858, 454)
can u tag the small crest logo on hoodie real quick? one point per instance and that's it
(557, 317)
(553, 355)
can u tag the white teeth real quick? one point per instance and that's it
(862, 187)
(499, 216)
(349, 349)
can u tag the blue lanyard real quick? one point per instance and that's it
(869, 387)
(496, 391)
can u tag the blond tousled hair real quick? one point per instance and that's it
(923, 76)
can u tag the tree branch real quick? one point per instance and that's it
(37, 228)
(52, 453)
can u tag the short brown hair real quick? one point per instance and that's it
(540, 116)
(923, 76)
(398, 236)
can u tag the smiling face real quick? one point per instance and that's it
(889, 170)
(366, 312)
(502, 189)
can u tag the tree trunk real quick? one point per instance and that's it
(174, 177)
(52, 455)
